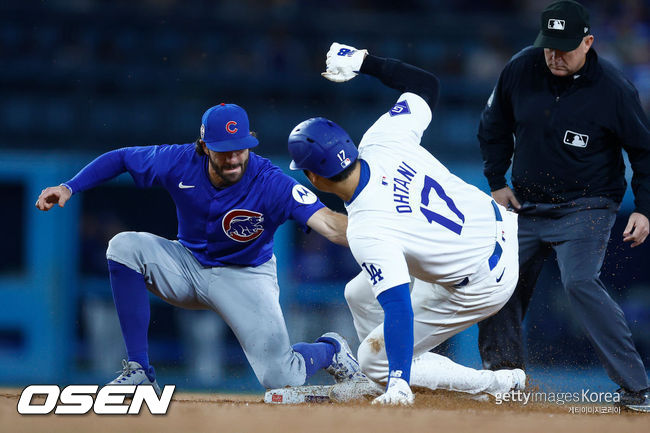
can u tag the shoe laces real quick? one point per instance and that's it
(342, 372)
(126, 371)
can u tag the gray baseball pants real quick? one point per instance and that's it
(246, 298)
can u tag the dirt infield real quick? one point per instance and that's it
(220, 413)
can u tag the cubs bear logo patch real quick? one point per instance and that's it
(243, 225)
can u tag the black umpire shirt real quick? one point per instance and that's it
(568, 132)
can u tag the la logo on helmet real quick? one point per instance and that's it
(230, 127)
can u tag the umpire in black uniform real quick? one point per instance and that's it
(571, 112)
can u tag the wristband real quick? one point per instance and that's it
(67, 186)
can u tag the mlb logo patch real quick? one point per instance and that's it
(555, 24)
(575, 139)
(345, 161)
(402, 107)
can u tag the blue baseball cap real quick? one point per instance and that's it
(321, 146)
(225, 128)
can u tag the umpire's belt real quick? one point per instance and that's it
(498, 250)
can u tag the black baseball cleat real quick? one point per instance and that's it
(638, 401)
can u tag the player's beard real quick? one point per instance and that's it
(229, 178)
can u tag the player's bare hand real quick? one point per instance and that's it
(505, 197)
(636, 230)
(51, 196)
(343, 62)
(398, 393)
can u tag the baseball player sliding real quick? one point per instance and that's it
(410, 219)
(229, 203)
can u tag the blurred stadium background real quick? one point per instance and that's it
(81, 77)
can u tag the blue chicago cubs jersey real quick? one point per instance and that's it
(230, 226)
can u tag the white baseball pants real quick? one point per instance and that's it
(439, 313)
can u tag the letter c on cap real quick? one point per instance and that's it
(230, 127)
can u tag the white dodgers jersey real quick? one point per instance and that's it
(415, 218)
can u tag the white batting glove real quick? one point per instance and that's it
(343, 62)
(398, 393)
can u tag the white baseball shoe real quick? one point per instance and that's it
(344, 365)
(133, 374)
(506, 381)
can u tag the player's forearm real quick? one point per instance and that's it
(496, 162)
(639, 154)
(332, 225)
(103, 168)
(398, 330)
(641, 190)
(495, 134)
(338, 226)
(403, 77)
(497, 150)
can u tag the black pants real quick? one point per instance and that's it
(578, 232)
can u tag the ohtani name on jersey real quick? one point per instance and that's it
(401, 184)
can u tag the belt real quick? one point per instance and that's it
(498, 250)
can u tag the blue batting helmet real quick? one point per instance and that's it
(321, 146)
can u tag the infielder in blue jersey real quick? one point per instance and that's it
(436, 254)
(229, 203)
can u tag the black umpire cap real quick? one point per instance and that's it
(564, 24)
